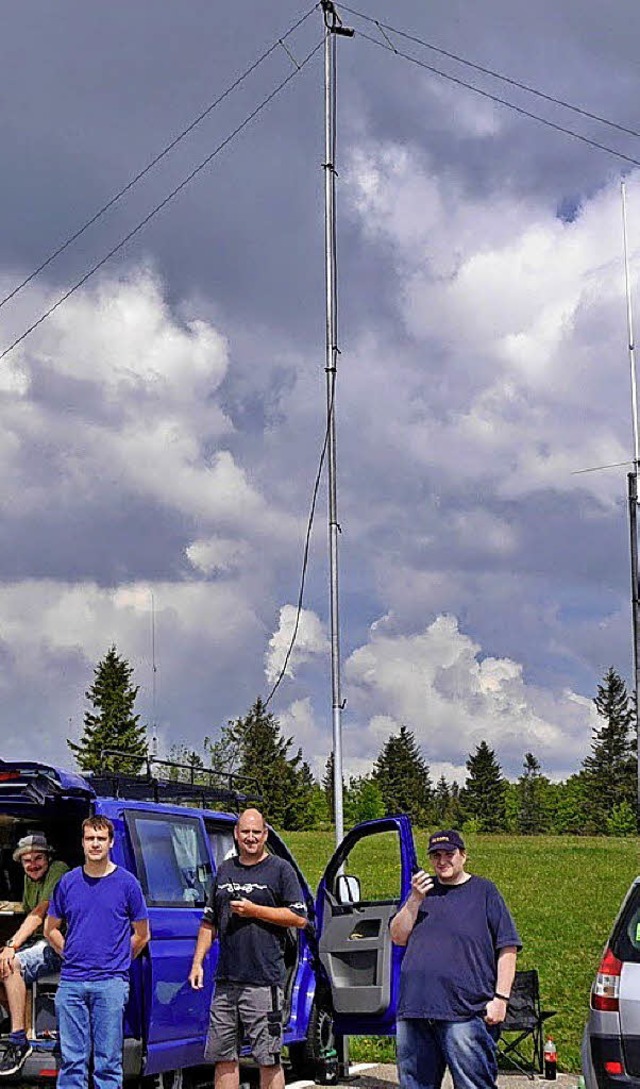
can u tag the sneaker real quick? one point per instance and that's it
(14, 1058)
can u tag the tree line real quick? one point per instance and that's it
(598, 799)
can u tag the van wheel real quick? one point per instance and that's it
(305, 1058)
(169, 1079)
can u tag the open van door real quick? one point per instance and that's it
(364, 884)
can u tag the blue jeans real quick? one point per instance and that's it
(91, 1019)
(426, 1048)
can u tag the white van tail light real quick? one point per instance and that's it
(605, 993)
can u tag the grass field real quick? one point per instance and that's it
(564, 893)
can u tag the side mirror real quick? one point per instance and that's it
(347, 889)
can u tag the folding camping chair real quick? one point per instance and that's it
(525, 1019)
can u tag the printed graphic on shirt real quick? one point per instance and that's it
(235, 886)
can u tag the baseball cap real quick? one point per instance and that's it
(34, 842)
(445, 841)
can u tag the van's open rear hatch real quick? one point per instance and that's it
(25, 785)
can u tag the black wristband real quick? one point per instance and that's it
(504, 997)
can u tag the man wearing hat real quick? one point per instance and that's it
(457, 972)
(27, 955)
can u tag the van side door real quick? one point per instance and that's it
(364, 884)
(174, 869)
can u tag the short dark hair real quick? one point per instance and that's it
(99, 822)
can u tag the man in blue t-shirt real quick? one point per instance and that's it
(457, 972)
(255, 898)
(101, 909)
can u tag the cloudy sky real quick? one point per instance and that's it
(160, 431)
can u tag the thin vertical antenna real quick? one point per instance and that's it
(632, 489)
(333, 27)
(154, 724)
(632, 349)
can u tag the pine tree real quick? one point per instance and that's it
(264, 757)
(610, 770)
(362, 801)
(112, 724)
(304, 797)
(191, 765)
(442, 802)
(327, 782)
(403, 777)
(622, 820)
(567, 806)
(455, 815)
(531, 794)
(317, 814)
(483, 795)
(225, 754)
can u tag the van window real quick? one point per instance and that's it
(223, 845)
(625, 941)
(175, 869)
(376, 860)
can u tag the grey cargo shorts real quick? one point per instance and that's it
(244, 1009)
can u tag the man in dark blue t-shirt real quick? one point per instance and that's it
(457, 972)
(255, 898)
(102, 910)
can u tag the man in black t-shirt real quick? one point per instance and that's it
(255, 898)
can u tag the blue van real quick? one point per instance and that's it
(342, 972)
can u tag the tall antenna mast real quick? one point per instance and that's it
(632, 485)
(333, 28)
(154, 724)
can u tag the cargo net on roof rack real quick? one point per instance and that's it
(152, 779)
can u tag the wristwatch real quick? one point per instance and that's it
(10, 944)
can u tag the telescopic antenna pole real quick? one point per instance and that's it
(333, 28)
(154, 728)
(632, 489)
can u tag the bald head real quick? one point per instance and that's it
(251, 837)
(251, 816)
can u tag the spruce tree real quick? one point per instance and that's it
(191, 765)
(362, 800)
(111, 724)
(402, 775)
(442, 801)
(264, 756)
(610, 771)
(483, 795)
(455, 816)
(567, 806)
(303, 800)
(531, 797)
(328, 783)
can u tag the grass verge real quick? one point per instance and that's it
(564, 893)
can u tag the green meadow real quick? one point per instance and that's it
(564, 893)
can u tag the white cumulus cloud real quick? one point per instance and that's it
(311, 641)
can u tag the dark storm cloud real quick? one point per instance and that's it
(110, 453)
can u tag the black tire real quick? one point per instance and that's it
(169, 1079)
(306, 1058)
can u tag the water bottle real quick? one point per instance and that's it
(327, 1073)
(550, 1060)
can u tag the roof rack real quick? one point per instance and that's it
(178, 783)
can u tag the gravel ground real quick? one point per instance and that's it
(385, 1077)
